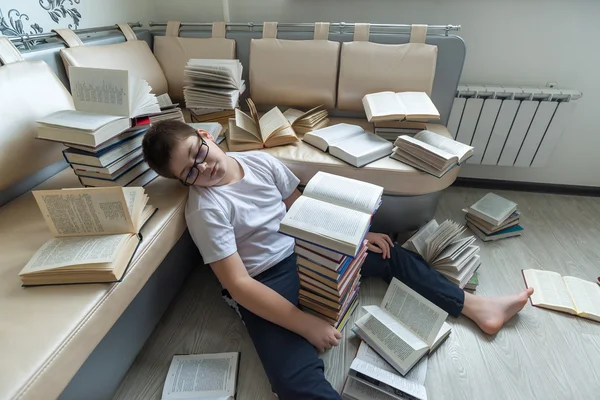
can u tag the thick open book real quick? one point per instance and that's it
(302, 122)
(387, 106)
(564, 293)
(371, 377)
(95, 234)
(105, 102)
(213, 83)
(248, 132)
(443, 248)
(333, 212)
(430, 152)
(404, 328)
(349, 143)
(202, 376)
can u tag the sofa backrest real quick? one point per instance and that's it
(28, 90)
(133, 55)
(173, 53)
(367, 67)
(298, 73)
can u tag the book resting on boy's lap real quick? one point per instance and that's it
(334, 212)
(95, 234)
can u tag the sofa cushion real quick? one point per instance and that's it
(367, 67)
(396, 177)
(173, 53)
(133, 55)
(47, 332)
(28, 90)
(295, 73)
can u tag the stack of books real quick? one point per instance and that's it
(493, 218)
(218, 115)
(473, 282)
(168, 110)
(213, 84)
(442, 247)
(103, 135)
(329, 222)
(390, 130)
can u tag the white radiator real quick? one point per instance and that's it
(511, 126)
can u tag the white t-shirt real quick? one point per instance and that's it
(244, 216)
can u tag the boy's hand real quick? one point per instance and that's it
(320, 333)
(379, 243)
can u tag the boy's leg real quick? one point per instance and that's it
(290, 361)
(410, 268)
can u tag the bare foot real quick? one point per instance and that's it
(491, 313)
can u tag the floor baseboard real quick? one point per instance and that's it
(493, 184)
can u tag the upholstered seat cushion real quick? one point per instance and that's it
(396, 178)
(46, 333)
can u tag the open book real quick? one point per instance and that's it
(404, 328)
(442, 247)
(95, 234)
(386, 106)
(349, 143)
(105, 102)
(303, 122)
(370, 374)
(247, 132)
(202, 376)
(564, 293)
(430, 152)
(213, 83)
(333, 212)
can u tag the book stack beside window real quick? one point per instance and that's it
(493, 218)
(329, 223)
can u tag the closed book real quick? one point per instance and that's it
(123, 180)
(513, 231)
(493, 209)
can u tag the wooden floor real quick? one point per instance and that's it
(540, 354)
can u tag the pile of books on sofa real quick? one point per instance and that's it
(329, 223)
(493, 218)
(103, 133)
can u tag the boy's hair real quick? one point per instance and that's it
(159, 141)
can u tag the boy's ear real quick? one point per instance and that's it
(206, 135)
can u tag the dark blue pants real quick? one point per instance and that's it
(291, 362)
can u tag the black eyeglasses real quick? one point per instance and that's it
(194, 173)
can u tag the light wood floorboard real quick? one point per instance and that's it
(540, 354)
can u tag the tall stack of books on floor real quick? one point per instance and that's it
(493, 218)
(212, 89)
(103, 134)
(329, 223)
(442, 246)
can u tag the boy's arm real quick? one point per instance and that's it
(270, 305)
(291, 199)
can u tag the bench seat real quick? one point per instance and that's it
(396, 178)
(48, 332)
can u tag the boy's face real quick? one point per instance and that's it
(199, 161)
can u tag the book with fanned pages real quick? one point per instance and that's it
(96, 232)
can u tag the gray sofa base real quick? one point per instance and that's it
(399, 214)
(100, 375)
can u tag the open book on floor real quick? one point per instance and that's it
(371, 377)
(248, 132)
(334, 212)
(390, 106)
(95, 234)
(106, 100)
(349, 143)
(202, 376)
(568, 294)
(429, 152)
(404, 328)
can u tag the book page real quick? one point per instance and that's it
(549, 289)
(416, 145)
(419, 238)
(327, 219)
(359, 390)
(201, 376)
(367, 354)
(77, 212)
(78, 120)
(291, 114)
(271, 122)
(417, 104)
(448, 145)
(244, 123)
(102, 91)
(345, 192)
(389, 378)
(414, 311)
(384, 104)
(585, 295)
(330, 135)
(63, 252)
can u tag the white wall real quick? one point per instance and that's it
(89, 13)
(511, 42)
